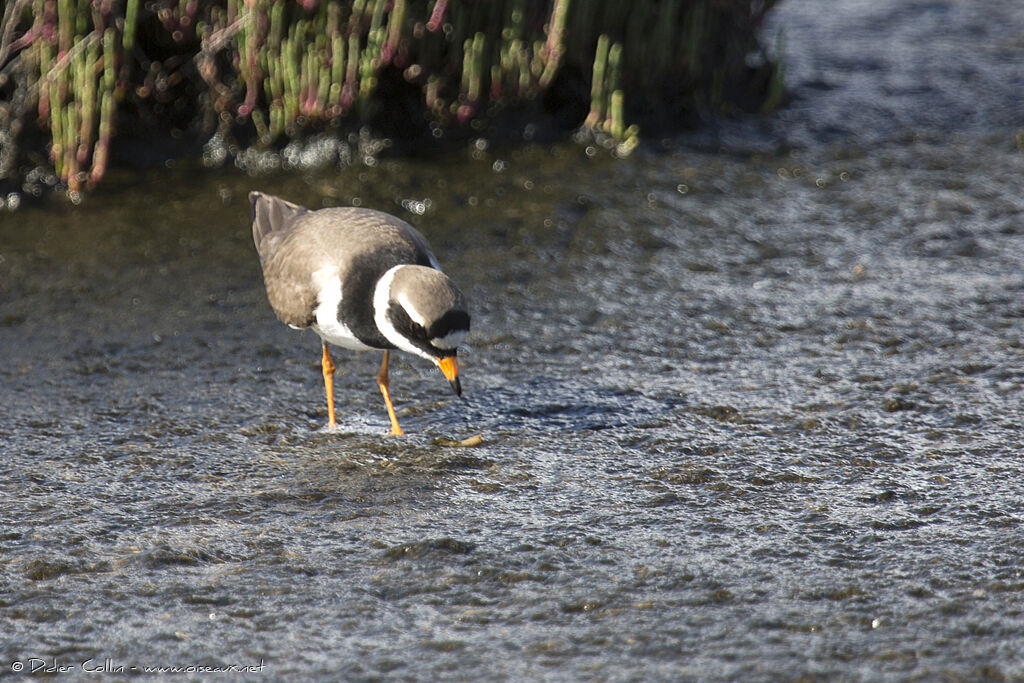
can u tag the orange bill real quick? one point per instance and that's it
(450, 367)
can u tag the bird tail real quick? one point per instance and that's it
(271, 215)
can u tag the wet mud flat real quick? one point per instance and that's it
(746, 412)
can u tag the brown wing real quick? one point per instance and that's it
(289, 290)
(295, 243)
(350, 234)
(272, 218)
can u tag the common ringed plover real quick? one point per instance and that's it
(362, 279)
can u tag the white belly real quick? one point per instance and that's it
(327, 325)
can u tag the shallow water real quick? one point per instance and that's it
(751, 404)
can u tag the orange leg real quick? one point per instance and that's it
(328, 365)
(382, 382)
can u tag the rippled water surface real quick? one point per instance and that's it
(750, 404)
